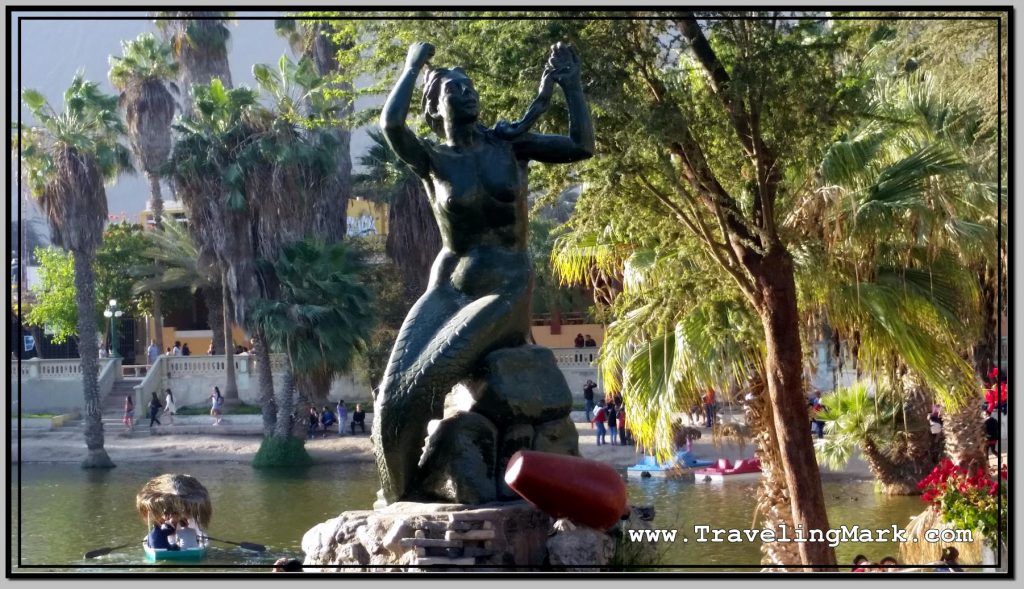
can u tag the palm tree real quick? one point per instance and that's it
(199, 43)
(320, 319)
(143, 75)
(174, 263)
(915, 187)
(209, 185)
(313, 40)
(413, 239)
(892, 434)
(67, 159)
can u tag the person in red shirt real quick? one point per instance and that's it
(709, 407)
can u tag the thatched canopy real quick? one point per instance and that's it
(919, 551)
(178, 493)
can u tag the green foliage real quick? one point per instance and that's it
(322, 316)
(54, 306)
(852, 416)
(89, 124)
(277, 452)
(145, 58)
(121, 253)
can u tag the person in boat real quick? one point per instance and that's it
(186, 536)
(159, 536)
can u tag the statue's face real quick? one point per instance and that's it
(459, 101)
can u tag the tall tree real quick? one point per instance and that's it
(199, 42)
(312, 39)
(144, 76)
(67, 159)
(320, 319)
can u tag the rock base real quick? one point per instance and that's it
(412, 537)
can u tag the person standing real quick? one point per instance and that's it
(709, 407)
(599, 421)
(342, 411)
(154, 410)
(216, 403)
(620, 411)
(313, 422)
(176, 351)
(129, 412)
(816, 408)
(588, 399)
(612, 415)
(589, 342)
(169, 407)
(185, 351)
(152, 352)
(991, 435)
(579, 341)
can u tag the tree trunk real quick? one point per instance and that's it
(285, 405)
(965, 436)
(85, 298)
(773, 503)
(214, 299)
(156, 205)
(228, 345)
(265, 378)
(893, 478)
(777, 308)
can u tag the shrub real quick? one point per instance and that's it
(276, 452)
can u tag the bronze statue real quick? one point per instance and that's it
(478, 297)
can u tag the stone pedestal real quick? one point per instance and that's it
(408, 536)
(509, 536)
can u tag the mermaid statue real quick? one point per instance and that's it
(478, 297)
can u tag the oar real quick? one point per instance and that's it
(104, 551)
(246, 545)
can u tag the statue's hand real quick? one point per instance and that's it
(564, 63)
(419, 54)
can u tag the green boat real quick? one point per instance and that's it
(190, 554)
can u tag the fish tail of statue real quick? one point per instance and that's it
(411, 395)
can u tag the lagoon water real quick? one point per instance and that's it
(66, 511)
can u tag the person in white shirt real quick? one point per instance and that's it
(169, 407)
(186, 536)
(152, 352)
(177, 349)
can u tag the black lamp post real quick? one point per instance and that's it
(112, 312)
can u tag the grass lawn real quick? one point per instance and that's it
(241, 409)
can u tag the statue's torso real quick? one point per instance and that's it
(479, 200)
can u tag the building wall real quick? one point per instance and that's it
(542, 334)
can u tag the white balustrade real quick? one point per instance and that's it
(575, 357)
(61, 369)
(180, 366)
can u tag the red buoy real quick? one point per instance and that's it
(588, 492)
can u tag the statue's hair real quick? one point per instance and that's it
(432, 93)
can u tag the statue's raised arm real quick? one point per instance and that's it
(392, 118)
(563, 68)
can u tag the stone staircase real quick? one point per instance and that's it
(112, 407)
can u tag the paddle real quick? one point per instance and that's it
(104, 551)
(245, 545)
